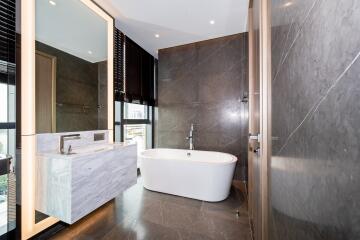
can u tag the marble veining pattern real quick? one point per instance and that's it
(203, 83)
(315, 162)
(71, 186)
(49, 142)
(102, 177)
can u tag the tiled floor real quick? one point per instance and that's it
(142, 214)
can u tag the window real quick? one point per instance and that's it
(135, 74)
(133, 124)
(7, 146)
(136, 133)
(7, 119)
(135, 111)
(7, 115)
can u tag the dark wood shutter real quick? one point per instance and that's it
(119, 80)
(147, 78)
(7, 41)
(139, 72)
(132, 70)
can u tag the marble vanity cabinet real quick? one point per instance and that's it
(71, 186)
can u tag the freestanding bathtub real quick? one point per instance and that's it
(194, 174)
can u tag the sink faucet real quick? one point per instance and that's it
(191, 137)
(69, 149)
(63, 138)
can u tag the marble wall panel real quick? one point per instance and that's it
(203, 83)
(78, 83)
(315, 114)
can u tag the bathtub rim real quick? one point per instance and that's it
(233, 160)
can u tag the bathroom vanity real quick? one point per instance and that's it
(67, 88)
(70, 186)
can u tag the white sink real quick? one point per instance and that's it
(85, 150)
(96, 148)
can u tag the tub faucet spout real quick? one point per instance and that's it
(191, 137)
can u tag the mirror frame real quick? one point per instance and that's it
(28, 135)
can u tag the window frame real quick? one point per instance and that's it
(8, 124)
(129, 121)
(149, 120)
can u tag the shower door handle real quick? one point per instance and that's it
(257, 150)
(255, 137)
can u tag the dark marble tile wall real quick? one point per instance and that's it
(203, 83)
(315, 166)
(77, 82)
(102, 95)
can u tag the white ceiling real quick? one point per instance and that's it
(176, 21)
(73, 28)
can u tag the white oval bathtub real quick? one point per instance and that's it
(203, 175)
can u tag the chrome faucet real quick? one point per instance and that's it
(191, 137)
(63, 138)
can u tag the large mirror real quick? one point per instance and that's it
(66, 85)
(70, 70)
(71, 67)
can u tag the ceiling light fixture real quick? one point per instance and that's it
(288, 4)
(212, 22)
(89, 52)
(157, 35)
(52, 3)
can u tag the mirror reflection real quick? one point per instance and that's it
(70, 71)
(71, 67)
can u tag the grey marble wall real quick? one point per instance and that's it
(203, 83)
(315, 166)
(77, 84)
(102, 95)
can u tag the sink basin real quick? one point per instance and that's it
(85, 150)
(93, 149)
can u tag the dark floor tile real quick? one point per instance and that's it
(189, 235)
(142, 214)
(145, 230)
(220, 228)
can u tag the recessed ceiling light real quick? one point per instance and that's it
(52, 3)
(89, 52)
(288, 4)
(212, 22)
(157, 35)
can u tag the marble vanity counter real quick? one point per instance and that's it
(69, 187)
(84, 150)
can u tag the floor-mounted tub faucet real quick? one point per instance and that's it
(191, 137)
